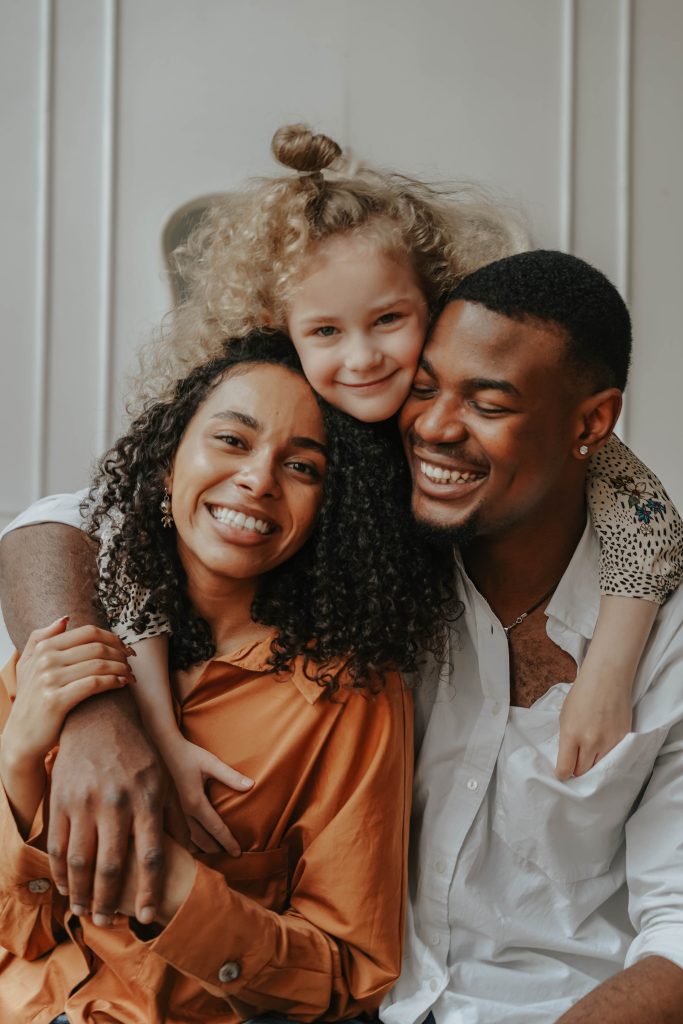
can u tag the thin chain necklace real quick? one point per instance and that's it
(525, 615)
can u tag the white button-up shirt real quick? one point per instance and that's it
(528, 892)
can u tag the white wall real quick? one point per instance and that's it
(115, 112)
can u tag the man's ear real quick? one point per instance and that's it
(596, 418)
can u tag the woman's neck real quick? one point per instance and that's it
(226, 605)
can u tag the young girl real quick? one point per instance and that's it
(353, 266)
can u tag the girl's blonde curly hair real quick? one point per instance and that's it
(242, 262)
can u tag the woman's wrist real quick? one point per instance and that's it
(16, 759)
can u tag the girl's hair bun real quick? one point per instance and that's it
(295, 145)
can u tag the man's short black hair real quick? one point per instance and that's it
(560, 289)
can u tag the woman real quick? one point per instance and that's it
(288, 628)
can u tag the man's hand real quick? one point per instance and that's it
(107, 783)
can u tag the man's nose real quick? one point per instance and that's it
(361, 355)
(440, 423)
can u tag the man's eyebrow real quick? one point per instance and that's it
(489, 384)
(253, 424)
(427, 367)
(241, 417)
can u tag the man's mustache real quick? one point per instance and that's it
(458, 451)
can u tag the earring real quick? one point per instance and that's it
(584, 449)
(166, 514)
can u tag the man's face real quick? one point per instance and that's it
(488, 426)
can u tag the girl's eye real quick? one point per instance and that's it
(326, 331)
(388, 318)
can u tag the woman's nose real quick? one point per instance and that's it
(258, 476)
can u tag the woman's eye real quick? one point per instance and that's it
(306, 468)
(326, 331)
(422, 390)
(231, 440)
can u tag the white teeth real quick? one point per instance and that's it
(228, 515)
(447, 476)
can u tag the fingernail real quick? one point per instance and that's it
(62, 619)
(78, 910)
(62, 890)
(129, 651)
(101, 920)
(146, 915)
(246, 783)
(235, 851)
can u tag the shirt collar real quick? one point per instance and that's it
(576, 601)
(254, 657)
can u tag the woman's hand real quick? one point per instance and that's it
(56, 672)
(181, 868)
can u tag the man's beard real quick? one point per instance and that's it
(449, 536)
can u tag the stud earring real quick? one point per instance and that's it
(166, 514)
(584, 449)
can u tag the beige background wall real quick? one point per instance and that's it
(115, 112)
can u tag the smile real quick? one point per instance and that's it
(368, 384)
(439, 475)
(241, 521)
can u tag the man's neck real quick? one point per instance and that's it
(515, 567)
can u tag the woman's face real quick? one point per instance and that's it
(247, 478)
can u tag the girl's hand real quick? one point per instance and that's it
(191, 767)
(56, 672)
(596, 714)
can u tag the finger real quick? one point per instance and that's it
(80, 863)
(110, 866)
(214, 768)
(86, 635)
(210, 820)
(149, 855)
(175, 822)
(89, 652)
(200, 840)
(45, 633)
(72, 693)
(585, 760)
(57, 846)
(566, 759)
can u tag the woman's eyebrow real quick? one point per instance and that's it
(310, 443)
(241, 417)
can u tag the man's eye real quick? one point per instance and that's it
(487, 410)
(325, 331)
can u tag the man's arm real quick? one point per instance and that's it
(649, 992)
(107, 780)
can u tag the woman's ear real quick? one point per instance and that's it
(596, 419)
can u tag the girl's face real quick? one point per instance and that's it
(358, 320)
(247, 477)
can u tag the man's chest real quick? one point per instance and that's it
(536, 663)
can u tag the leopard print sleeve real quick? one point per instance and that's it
(138, 620)
(640, 530)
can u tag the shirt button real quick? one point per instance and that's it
(472, 784)
(435, 940)
(433, 984)
(229, 971)
(39, 885)
(495, 708)
(440, 866)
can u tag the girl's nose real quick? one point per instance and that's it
(362, 356)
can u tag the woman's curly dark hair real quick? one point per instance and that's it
(362, 596)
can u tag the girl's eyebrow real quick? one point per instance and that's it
(249, 421)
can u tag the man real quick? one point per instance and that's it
(531, 896)
(519, 907)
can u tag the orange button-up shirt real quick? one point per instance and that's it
(308, 922)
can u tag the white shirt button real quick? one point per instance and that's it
(230, 971)
(435, 940)
(472, 784)
(433, 984)
(440, 866)
(39, 885)
(495, 708)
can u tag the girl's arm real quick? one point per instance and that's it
(189, 765)
(641, 563)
